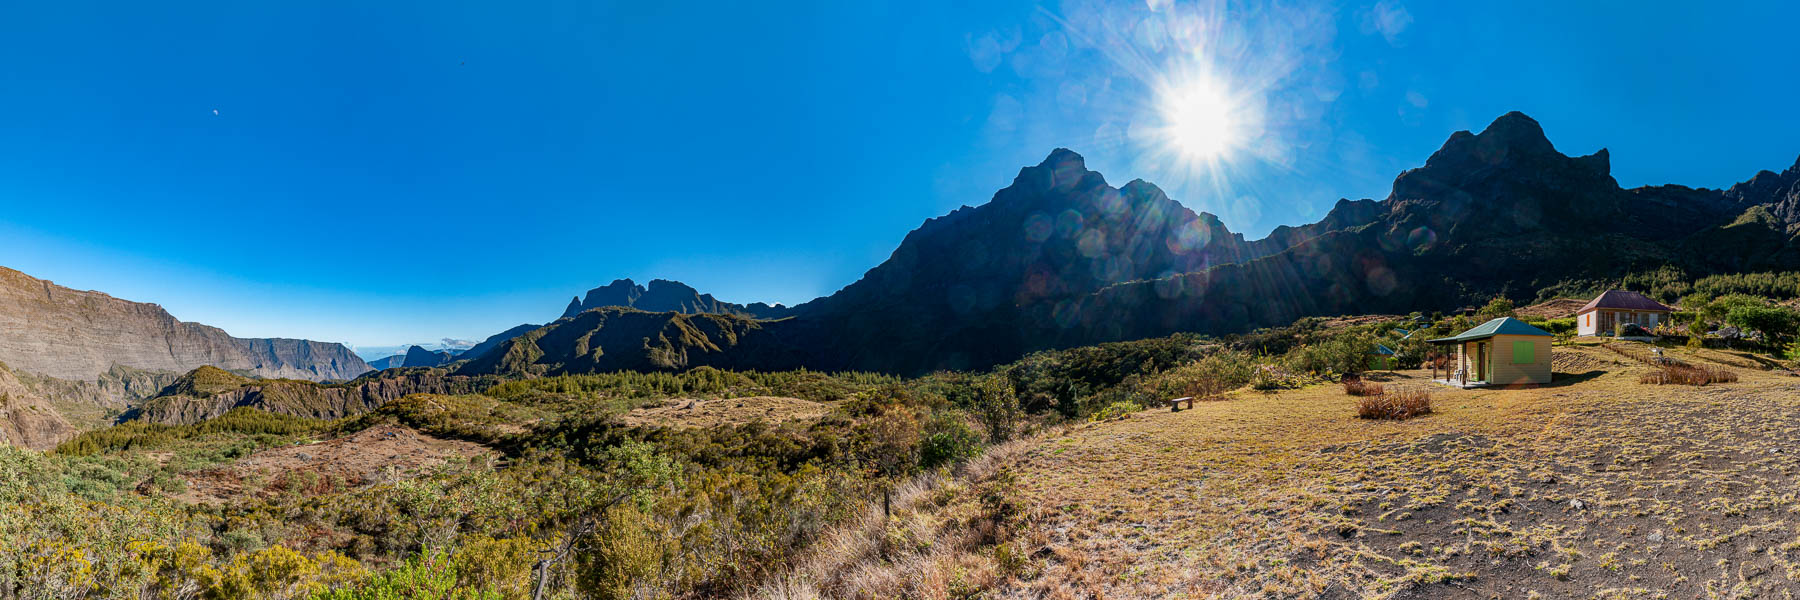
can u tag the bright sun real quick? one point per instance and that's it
(1200, 120)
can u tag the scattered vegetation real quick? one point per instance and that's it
(893, 491)
(257, 426)
(1682, 374)
(1356, 386)
(1396, 405)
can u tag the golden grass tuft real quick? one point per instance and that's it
(1359, 387)
(1668, 370)
(1683, 374)
(1396, 405)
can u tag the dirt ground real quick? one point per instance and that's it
(1595, 486)
(727, 411)
(1559, 308)
(368, 456)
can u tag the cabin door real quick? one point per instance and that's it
(1481, 361)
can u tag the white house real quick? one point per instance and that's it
(1615, 307)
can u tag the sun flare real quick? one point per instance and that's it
(1201, 121)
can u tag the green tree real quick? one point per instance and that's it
(1777, 324)
(1500, 306)
(998, 407)
(1716, 311)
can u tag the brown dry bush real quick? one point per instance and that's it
(1396, 405)
(1358, 387)
(1682, 374)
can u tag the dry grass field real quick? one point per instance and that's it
(1595, 486)
(368, 456)
(1560, 308)
(725, 412)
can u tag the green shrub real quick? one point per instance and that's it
(997, 406)
(1116, 410)
(1500, 306)
(1777, 324)
(948, 440)
(431, 576)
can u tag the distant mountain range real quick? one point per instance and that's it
(1058, 258)
(74, 359)
(663, 295)
(52, 330)
(1061, 258)
(208, 392)
(416, 356)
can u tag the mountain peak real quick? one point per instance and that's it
(1064, 158)
(656, 284)
(1513, 139)
(1515, 130)
(418, 356)
(1141, 188)
(1062, 169)
(574, 307)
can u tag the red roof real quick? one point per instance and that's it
(1623, 300)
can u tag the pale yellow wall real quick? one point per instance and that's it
(1501, 371)
(1504, 372)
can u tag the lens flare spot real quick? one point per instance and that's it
(1200, 120)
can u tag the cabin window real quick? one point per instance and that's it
(1524, 353)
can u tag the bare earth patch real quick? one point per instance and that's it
(700, 413)
(1594, 487)
(1560, 308)
(368, 456)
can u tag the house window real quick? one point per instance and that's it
(1524, 353)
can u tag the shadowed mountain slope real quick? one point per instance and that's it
(208, 392)
(1060, 258)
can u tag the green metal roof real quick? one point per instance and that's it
(1500, 326)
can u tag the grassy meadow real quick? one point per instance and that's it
(1061, 475)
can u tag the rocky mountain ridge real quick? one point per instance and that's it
(50, 330)
(1060, 258)
(208, 392)
(663, 295)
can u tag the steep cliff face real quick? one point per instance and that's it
(612, 338)
(27, 418)
(207, 392)
(51, 330)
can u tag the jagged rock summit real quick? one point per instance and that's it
(663, 295)
(419, 357)
(1061, 258)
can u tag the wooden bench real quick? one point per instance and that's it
(1175, 405)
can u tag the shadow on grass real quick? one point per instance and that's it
(1567, 379)
(1767, 363)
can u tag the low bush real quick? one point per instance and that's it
(1116, 410)
(1359, 387)
(1682, 374)
(1270, 377)
(1396, 405)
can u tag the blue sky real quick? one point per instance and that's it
(394, 172)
